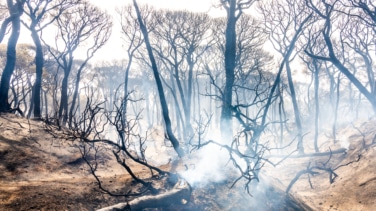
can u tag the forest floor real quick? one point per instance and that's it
(39, 171)
(343, 181)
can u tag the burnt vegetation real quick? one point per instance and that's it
(257, 87)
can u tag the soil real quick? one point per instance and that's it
(353, 185)
(41, 171)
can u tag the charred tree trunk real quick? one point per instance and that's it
(162, 98)
(182, 97)
(125, 96)
(230, 56)
(334, 126)
(45, 104)
(63, 110)
(39, 61)
(296, 108)
(15, 10)
(317, 105)
(332, 57)
(74, 99)
(76, 90)
(31, 101)
(188, 99)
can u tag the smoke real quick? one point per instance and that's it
(209, 164)
(211, 173)
(344, 142)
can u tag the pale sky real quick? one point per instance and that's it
(113, 45)
(112, 49)
(192, 5)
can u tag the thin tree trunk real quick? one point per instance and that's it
(16, 12)
(334, 126)
(334, 60)
(317, 104)
(296, 108)
(45, 104)
(148, 110)
(74, 99)
(182, 98)
(188, 99)
(164, 107)
(39, 61)
(125, 97)
(281, 113)
(179, 116)
(285, 58)
(31, 102)
(63, 110)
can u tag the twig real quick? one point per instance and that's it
(310, 170)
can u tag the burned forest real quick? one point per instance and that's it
(244, 105)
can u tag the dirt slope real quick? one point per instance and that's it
(38, 171)
(353, 189)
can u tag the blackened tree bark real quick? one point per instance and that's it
(37, 11)
(15, 11)
(295, 106)
(133, 38)
(317, 104)
(234, 10)
(314, 66)
(81, 24)
(181, 42)
(281, 19)
(194, 47)
(162, 98)
(230, 54)
(100, 30)
(314, 44)
(327, 13)
(21, 76)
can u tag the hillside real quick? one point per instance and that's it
(39, 171)
(343, 181)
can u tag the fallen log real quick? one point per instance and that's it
(179, 194)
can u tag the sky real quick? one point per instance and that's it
(109, 5)
(192, 5)
(112, 49)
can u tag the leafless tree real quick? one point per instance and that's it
(37, 12)
(312, 43)
(181, 38)
(285, 22)
(81, 24)
(328, 12)
(234, 9)
(174, 141)
(251, 87)
(21, 77)
(15, 10)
